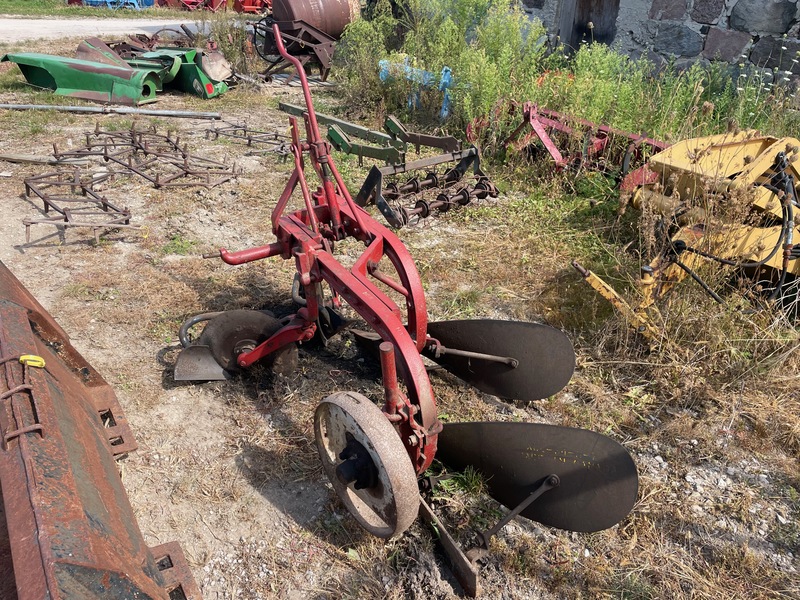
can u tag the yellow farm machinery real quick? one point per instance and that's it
(728, 199)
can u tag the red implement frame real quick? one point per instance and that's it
(596, 138)
(212, 5)
(308, 236)
(252, 6)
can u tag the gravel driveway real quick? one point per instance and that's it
(14, 30)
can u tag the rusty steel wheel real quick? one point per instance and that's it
(367, 464)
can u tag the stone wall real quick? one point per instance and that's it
(765, 33)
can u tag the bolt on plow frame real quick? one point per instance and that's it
(67, 529)
(376, 457)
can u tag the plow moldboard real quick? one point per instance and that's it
(598, 478)
(545, 355)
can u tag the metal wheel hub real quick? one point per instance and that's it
(357, 466)
(234, 332)
(366, 463)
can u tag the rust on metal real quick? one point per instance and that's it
(70, 200)
(70, 196)
(67, 529)
(308, 44)
(399, 203)
(262, 142)
(158, 158)
(330, 17)
(601, 148)
(309, 30)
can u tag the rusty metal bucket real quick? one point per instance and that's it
(67, 529)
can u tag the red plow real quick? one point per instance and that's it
(376, 454)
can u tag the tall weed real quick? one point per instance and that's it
(500, 58)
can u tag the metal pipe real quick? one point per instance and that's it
(506, 360)
(117, 110)
(391, 392)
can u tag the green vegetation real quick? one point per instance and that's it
(60, 8)
(178, 244)
(499, 57)
(720, 391)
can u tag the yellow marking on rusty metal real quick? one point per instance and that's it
(31, 360)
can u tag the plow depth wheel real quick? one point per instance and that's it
(367, 464)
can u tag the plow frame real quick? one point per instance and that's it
(308, 235)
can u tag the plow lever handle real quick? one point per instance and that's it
(249, 255)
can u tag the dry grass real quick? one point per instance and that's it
(230, 468)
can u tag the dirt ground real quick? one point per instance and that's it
(230, 470)
(227, 468)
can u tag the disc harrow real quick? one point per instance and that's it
(375, 455)
(575, 143)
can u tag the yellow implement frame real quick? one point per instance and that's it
(719, 194)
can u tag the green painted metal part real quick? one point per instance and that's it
(342, 142)
(100, 75)
(190, 76)
(393, 145)
(99, 82)
(352, 129)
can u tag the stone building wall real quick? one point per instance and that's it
(765, 33)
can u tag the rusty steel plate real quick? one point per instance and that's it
(68, 528)
(598, 478)
(545, 355)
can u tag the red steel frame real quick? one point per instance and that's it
(542, 121)
(252, 6)
(308, 235)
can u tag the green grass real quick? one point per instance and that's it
(499, 59)
(59, 8)
(178, 245)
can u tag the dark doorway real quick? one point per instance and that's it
(575, 16)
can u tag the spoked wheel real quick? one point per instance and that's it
(237, 331)
(367, 464)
